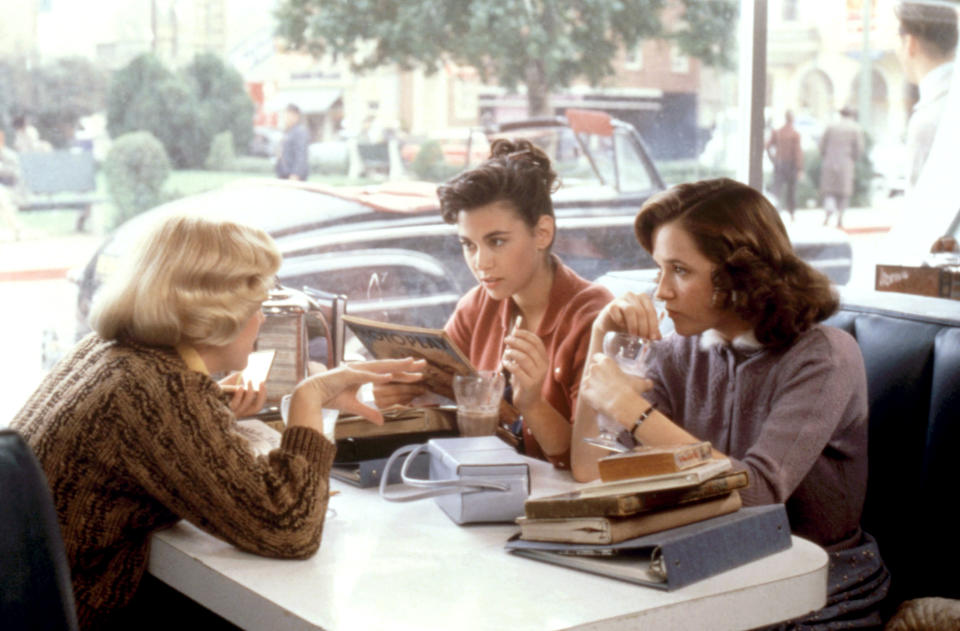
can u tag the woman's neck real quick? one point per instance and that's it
(534, 298)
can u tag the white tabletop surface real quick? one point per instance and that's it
(384, 565)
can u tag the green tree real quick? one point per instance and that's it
(55, 95)
(136, 169)
(145, 96)
(184, 110)
(222, 100)
(541, 44)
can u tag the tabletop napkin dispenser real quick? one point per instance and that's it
(473, 479)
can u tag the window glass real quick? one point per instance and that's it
(859, 78)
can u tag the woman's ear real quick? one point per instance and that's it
(543, 232)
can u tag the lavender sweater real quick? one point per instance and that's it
(795, 419)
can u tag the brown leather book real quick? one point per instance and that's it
(607, 530)
(625, 503)
(646, 461)
(398, 420)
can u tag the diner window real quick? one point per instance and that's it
(902, 198)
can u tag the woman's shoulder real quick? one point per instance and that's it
(830, 338)
(578, 292)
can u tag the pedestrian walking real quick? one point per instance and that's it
(787, 156)
(292, 161)
(840, 148)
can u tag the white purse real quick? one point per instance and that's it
(473, 479)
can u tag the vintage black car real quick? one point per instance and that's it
(386, 248)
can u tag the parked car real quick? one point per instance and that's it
(386, 248)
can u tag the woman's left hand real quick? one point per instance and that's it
(246, 400)
(525, 357)
(337, 388)
(611, 391)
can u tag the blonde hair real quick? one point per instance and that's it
(191, 280)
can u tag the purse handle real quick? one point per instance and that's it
(433, 487)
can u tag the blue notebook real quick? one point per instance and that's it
(677, 557)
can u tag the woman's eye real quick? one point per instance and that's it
(466, 245)
(680, 271)
(497, 242)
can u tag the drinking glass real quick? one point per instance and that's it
(478, 402)
(630, 353)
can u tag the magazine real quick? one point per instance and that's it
(393, 341)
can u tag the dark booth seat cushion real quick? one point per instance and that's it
(911, 349)
(35, 589)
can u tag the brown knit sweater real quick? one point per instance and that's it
(132, 440)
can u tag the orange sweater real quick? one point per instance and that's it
(131, 441)
(480, 323)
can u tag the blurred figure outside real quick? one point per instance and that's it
(10, 183)
(928, 41)
(787, 157)
(840, 147)
(292, 161)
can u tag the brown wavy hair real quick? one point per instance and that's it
(517, 172)
(757, 274)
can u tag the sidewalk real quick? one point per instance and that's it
(876, 219)
(45, 258)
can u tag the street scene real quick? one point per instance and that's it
(348, 314)
(356, 127)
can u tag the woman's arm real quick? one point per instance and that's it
(525, 356)
(190, 459)
(605, 388)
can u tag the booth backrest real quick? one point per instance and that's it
(35, 589)
(911, 349)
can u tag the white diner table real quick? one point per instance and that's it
(397, 566)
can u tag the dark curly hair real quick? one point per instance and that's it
(757, 273)
(517, 172)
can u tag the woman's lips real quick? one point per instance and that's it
(490, 283)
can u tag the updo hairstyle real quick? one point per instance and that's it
(517, 172)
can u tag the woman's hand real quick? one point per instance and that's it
(525, 357)
(246, 400)
(387, 394)
(337, 389)
(630, 313)
(610, 391)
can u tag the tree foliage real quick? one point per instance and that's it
(184, 110)
(222, 100)
(136, 169)
(54, 95)
(542, 44)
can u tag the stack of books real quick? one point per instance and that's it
(641, 492)
(654, 510)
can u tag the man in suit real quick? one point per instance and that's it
(292, 162)
(840, 147)
(928, 41)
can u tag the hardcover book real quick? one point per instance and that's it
(398, 420)
(677, 480)
(601, 529)
(646, 461)
(621, 504)
(677, 557)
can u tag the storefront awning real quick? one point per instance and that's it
(309, 100)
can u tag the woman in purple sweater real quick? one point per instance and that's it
(750, 369)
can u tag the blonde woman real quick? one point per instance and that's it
(133, 434)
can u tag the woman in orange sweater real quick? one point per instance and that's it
(530, 314)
